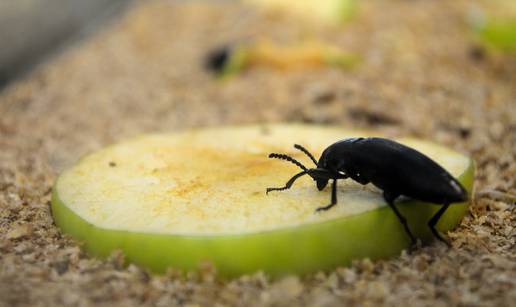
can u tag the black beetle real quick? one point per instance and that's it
(217, 59)
(394, 168)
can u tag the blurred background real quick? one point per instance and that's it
(31, 30)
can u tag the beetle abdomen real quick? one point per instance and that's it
(432, 185)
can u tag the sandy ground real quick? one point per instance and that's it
(419, 77)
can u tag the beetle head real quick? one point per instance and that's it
(321, 184)
(320, 176)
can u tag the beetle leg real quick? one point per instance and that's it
(289, 183)
(333, 197)
(389, 198)
(433, 221)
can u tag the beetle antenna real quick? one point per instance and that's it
(287, 158)
(297, 146)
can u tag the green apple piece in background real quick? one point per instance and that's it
(500, 35)
(327, 11)
(179, 199)
(494, 23)
(284, 57)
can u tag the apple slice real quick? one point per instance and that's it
(495, 25)
(230, 60)
(499, 35)
(328, 11)
(174, 200)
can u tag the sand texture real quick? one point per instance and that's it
(421, 75)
